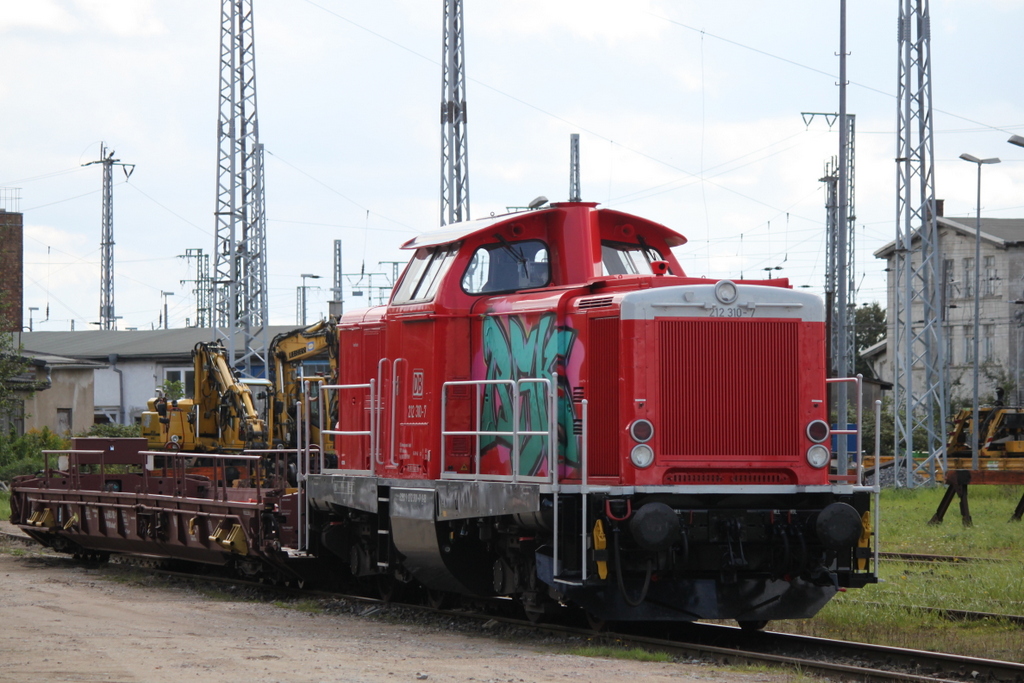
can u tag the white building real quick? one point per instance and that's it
(136, 362)
(1001, 316)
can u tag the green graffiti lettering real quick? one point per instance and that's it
(511, 352)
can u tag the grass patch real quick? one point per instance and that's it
(778, 673)
(887, 612)
(308, 606)
(5, 505)
(635, 654)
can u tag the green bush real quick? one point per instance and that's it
(113, 430)
(24, 454)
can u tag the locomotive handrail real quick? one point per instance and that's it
(515, 432)
(395, 384)
(378, 456)
(325, 390)
(859, 381)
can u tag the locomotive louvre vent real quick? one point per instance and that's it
(757, 477)
(578, 394)
(596, 302)
(459, 391)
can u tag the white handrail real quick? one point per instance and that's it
(515, 433)
(325, 390)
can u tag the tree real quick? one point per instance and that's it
(869, 323)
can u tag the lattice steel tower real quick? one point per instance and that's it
(840, 254)
(203, 287)
(108, 321)
(454, 154)
(240, 267)
(920, 390)
(574, 167)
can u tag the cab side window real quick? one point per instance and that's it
(423, 274)
(622, 258)
(507, 267)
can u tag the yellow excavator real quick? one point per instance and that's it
(288, 358)
(222, 416)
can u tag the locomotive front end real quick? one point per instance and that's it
(728, 505)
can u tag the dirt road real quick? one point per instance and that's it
(60, 621)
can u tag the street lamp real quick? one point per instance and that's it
(1016, 140)
(165, 295)
(30, 309)
(977, 302)
(302, 297)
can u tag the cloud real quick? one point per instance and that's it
(608, 21)
(38, 14)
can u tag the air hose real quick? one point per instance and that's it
(619, 574)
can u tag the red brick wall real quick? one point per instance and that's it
(11, 271)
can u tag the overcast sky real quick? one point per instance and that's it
(688, 114)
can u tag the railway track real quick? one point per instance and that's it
(920, 557)
(724, 645)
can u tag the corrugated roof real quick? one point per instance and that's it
(100, 344)
(63, 362)
(1001, 231)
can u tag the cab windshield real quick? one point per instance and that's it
(624, 258)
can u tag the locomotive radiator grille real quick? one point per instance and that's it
(729, 387)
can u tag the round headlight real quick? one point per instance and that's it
(642, 455)
(817, 431)
(641, 431)
(818, 456)
(726, 291)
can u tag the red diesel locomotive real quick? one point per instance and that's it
(550, 408)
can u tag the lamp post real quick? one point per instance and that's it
(977, 303)
(1019, 141)
(30, 310)
(302, 296)
(165, 295)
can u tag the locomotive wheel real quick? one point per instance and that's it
(753, 625)
(596, 624)
(439, 599)
(389, 588)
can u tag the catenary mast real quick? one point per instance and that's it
(240, 308)
(920, 390)
(454, 154)
(108, 321)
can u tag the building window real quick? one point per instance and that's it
(948, 271)
(63, 420)
(968, 344)
(987, 343)
(968, 288)
(186, 376)
(991, 277)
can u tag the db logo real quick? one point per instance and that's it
(417, 383)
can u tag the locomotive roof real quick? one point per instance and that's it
(456, 232)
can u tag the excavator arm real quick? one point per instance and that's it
(288, 350)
